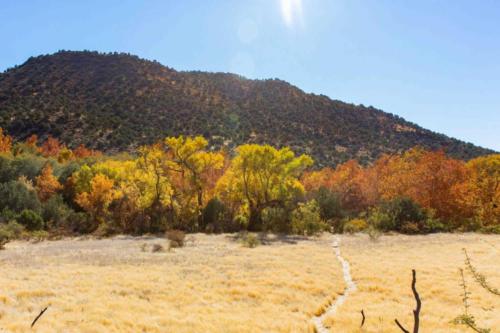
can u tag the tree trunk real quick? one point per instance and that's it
(255, 220)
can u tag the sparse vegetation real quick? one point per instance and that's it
(176, 238)
(306, 219)
(249, 240)
(270, 288)
(120, 102)
(355, 225)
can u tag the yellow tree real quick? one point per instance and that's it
(483, 188)
(194, 168)
(5, 142)
(153, 183)
(46, 184)
(261, 177)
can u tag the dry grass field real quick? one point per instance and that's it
(211, 285)
(216, 285)
(382, 272)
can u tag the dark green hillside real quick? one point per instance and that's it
(117, 102)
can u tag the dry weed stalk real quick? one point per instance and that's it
(466, 318)
(480, 278)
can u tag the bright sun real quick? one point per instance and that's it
(291, 11)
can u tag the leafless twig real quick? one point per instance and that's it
(38, 317)
(416, 312)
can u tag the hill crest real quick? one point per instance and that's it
(118, 101)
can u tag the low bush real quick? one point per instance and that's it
(306, 219)
(16, 196)
(355, 225)
(400, 214)
(39, 235)
(373, 233)
(491, 229)
(3, 240)
(176, 238)
(10, 231)
(249, 240)
(275, 219)
(432, 224)
(30, 220)
(55, 212)
(241, 221)
(330, 207)
(79, 222)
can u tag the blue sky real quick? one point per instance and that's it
(435, 63)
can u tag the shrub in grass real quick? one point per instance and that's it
(306, 219)
(16, 196)
(275, 219)
(373, 233)
(56, 212)
(491, 229)
(9, 231)
(355, 225)
(249, 240)
(30, 220)
(176, 238)
(400, 214)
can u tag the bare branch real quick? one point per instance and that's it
(363, 319)
(38, 317)
(416, 312)
(401, 326)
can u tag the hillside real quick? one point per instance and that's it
(117, 102)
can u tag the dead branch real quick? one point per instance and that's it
(401, 326)
(363, 319)
(38, 317)
(416, 312)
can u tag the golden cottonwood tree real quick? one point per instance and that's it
(483, 188)
(191, 167)
(262, 176)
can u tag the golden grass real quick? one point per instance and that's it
(382, 272)
(212, 285)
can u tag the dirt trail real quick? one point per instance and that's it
(350, 287)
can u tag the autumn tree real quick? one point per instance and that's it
(347, 180)
(430, 178)
(5, 142)
(83, 152)
(154, 184)
(98, 199)
(482, 190)
(194, 167)
(261, 177)
(51, 147)
(46, 184)
(32, 141)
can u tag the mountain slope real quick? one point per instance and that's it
(117, 102)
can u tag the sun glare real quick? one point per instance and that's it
(291, 11)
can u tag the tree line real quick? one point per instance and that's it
(179, 183)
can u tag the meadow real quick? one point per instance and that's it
(214, 284)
